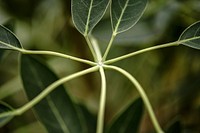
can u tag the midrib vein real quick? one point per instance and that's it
(121, 15)
(88, 18)
(51, 104)
(57, 115)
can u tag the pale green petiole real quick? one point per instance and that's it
(24, 51)
(149, 49)
(46, 91)
(59, 55)
(140, 52)
(109, 46)
(142, 94)
(91, 47)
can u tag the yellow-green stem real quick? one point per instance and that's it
(100, 119)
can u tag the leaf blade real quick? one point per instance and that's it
(128, 121)
(3, 108)
(57, 111)
(87, 13)
(126, 13)
(192, 33)
(8, 40)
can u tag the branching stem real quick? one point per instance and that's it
(100, 119)
(109, 46)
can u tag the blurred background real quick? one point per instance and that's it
(170, 76)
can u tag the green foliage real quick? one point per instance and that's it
(126, 13)
(8, 40)
(3, 108)
(86, 14)
(57, 112)
(193, 34)
(129, 120)
(52, 102)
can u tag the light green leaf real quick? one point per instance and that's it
(3, 108)
(87, 13)
(126, 13)
(8, 40)
(192, 34)
(129, 120)
(57, 111)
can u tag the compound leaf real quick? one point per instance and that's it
(87, 13)
(57, 111)
(8, 40)
(126, 13)
(192, 33)
(4, 108)
(129, 120)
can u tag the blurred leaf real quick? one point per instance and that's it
(3, 108)
(20, 8)
(87, 13)
(193, 33)
(174, 127)
(139, 34)
(30, 128)
(9, 24)
(8, 40)
(129, 120)
(89, 120)
(10, 87)
(57, 111)
(126, 13)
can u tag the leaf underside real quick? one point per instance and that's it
(7, 39)
(126, 13)
(192, 33)
(129, 120)
(87, 13)
(3, 108)
(57, 111)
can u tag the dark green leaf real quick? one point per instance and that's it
(193, 34)
(126, 13)
(3, 108)
(87, 13)
(89, 120)
(57, 111)
(8, 40)
(9, 25)
(129, 120)
(175, 127)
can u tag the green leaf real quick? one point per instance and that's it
(8, 40)
(57, 111)
(129, 120)
(88, 119)
(126, 13)
(3, 108)
(193, 34)
(87, 13)
(175, 127)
